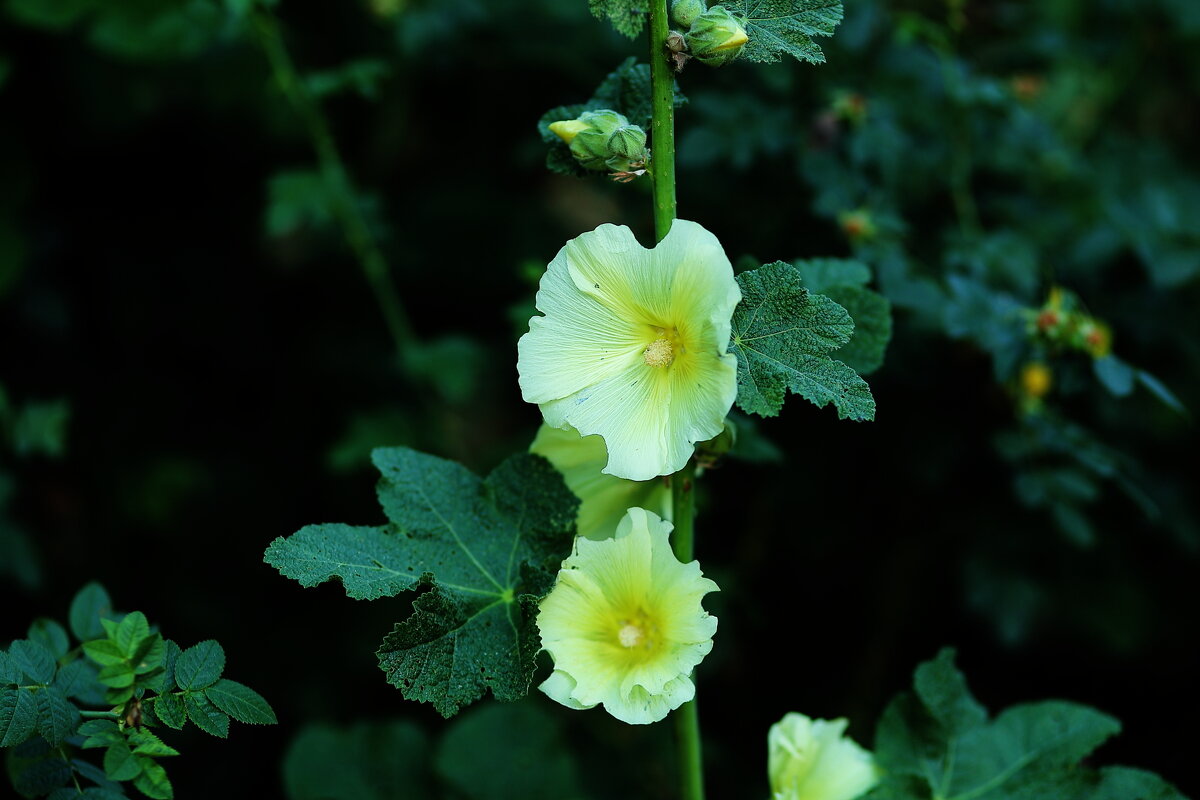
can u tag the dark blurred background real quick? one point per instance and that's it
(193, 362)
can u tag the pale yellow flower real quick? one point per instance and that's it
(624, 624)
(604, 499)
(809, 759)
(633, 345)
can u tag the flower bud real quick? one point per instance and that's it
(686, 12)
(716, 37)
(590, 144)
(627, 145)
(567, 129)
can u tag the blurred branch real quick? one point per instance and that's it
(358, 234)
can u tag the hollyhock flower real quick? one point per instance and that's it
(624, 623)
(633, 345)
(604, 499)
(809, 759)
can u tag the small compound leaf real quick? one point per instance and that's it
(89, 606)
(200, 666)
(207, 717)
(785, 27)
(57, 716)
(51, 635)
(146, 743)
(76, 679)
(240, 702)
(130, 633)
(33, 659)
(18, 715)
(169, 709)
(152, 781)
(104, 652)
(120, 764)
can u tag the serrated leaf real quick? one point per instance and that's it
(149, 655)
(100, 733)
(785, 27)
(18, 716)
(50, 635)
(87, 608)
(627, 16)
(480, 544)
(153, 781)
(41, 776)
(146, 743)
(57, 716)
(33, 659)
(240, 702)
(104, 652)
(120, 764)
(75, 679)
(118, 695)
(169, 708)
(200, 665)
(166, 682)
(781, 335)
(9, 672)
(207, 717)
(117, 676)
(844, 282)
(131, 631)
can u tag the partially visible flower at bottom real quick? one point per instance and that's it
(624, 624)
(809, 759)
(604, 499)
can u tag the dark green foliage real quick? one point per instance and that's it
(845, 283)
(627, 16)
(782, 336)
(785, 27)
(378, 761)
(131, 669)
(938, 742)
(483, 552)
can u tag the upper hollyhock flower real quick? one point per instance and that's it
(633, 345)
(809, 759)
(624, 623)
(603, 498)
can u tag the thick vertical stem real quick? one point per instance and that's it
(687, 719)
(354, 225)
(662, 130)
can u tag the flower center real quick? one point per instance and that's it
(631, 635)
(660, 353)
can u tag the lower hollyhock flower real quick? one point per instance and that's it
(634, 345)
(604, 499)
(809, 759)
(624, 623)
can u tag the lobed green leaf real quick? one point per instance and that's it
(627, 16)
(781, 335)
(845, 282)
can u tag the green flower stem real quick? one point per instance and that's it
(333, 172)
(662, 129)
(687, 719)
(86, 714)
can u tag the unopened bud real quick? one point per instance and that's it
(686, 12)
(590, 144)
(716, 37)
(567, 129)
(629, 142)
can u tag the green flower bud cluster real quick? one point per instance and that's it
(714, 36)
(604, 140)
(1061, 323)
